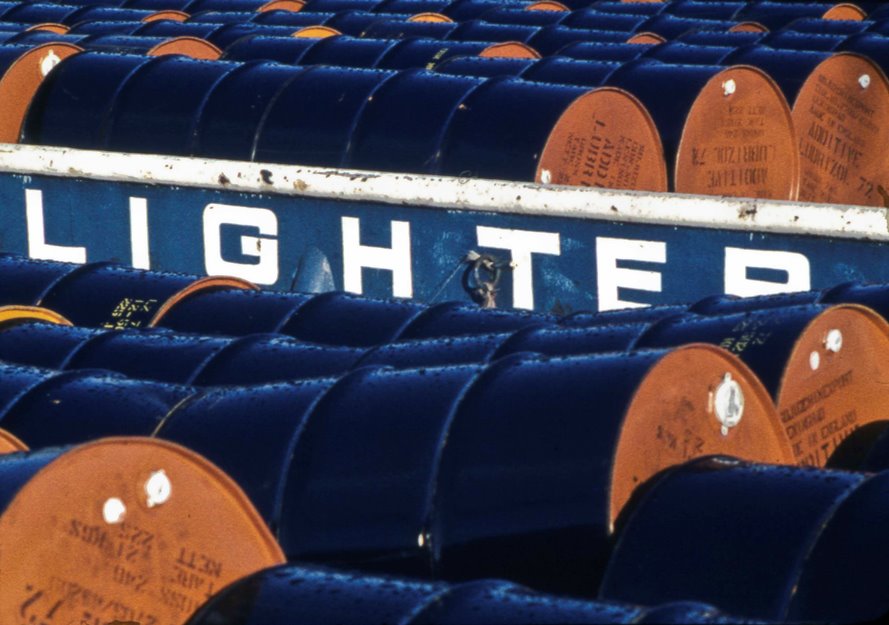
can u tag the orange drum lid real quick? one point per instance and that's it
(20, 82)
(698, 400)
(282, 5)
(547, 5)
(845, 11)
(748, 27)
(170, 14)
(14, 315)
(10, 444)
(194, 47)
(51, 27)
(646, 38)
(126, 529)
(210, 283)
(436, 18)
(739, 140)
(606, 139)
(836, 380)
(842, 122)
(510, 50)
(316, 32)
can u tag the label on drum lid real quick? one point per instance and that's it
(193, 47)
(435, 18)
(510, 50)
(842, 120)
(316, 32)
(133, 530)
(14, 315)
(170, 14)
(20, 81)
(845, 12)
(646, 38)
(282, 5)
(748, 27)
(738, 139)
(836, 380)
(50, 27)
(10, 444)
(547, 5)
(605, 139)
(698, 400)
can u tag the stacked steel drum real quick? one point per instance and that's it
(186, 450)
(203, 451)
(756, 99)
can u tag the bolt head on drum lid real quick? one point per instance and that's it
(23, 71)
(149, 522)
(698, 400)
(738, 139)
(842, 119)
(605, 139)
(835, 381)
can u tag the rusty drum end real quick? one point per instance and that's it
(142, 517)
(434, 18)
(510, 50)
(316, 32)
(646, 38)
(835, 381)
(748, 27)
(210, 283)
(15, 314)
(547, 5)
(842, 119)
(169, 14)
(194, 47)
(845, 11)
(698, 400)
(50, 27)
(605, 139)
(293, 6)
(739, 139)
(10, 444)
(20, 82)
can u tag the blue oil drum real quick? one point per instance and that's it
(552, 39)
(778, 330)
(262, 47)
(501, 131)
(79, 406)
(681, 53)
(233, 110)
(777, 15)
(464, 10)
(591, 18)
(102, 294)
(312, 120)
(403, 127)
(425, 53)
(349, 51)
(257, 311)
(515, 15)
(39, 13)
(72, 105)
(483, 67)
(778, 517)
(147, 117)
(592, 51)
(791, 40)
(707, 9)
(399, 28)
